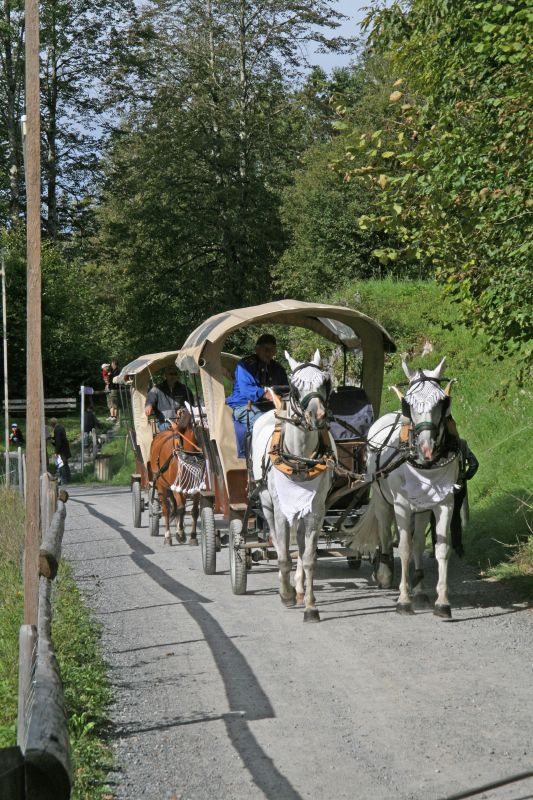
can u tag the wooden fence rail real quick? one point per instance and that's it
(39, 767)
(58, 404)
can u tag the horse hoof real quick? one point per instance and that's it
(193, 541)
(311, 615)
(405, 609)
(181, 539)
(442, 611)
(168, 540)
(300, 598)
(288, 602)
(420, 601)
(383, 576)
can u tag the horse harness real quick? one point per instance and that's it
(296, 466)
(179, 452)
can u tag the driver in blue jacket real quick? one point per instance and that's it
(253, 375)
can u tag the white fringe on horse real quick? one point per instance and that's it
(191, 475)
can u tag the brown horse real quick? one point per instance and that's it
(177, 468)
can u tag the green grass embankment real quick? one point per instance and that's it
(76, 640)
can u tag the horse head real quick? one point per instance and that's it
(427, 405)
(310, 388)
(183, 419)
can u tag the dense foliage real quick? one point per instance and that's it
(448, 164)
(200, 164)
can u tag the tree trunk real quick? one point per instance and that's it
(13, 68)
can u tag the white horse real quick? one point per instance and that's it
(413, 463)
(294, 461)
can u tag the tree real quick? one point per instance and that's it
(11, 88)
(207, 140)
(448, 165)
(321, 208)
(76, 41)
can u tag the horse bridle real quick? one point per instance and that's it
(439, 428)
(300, 404)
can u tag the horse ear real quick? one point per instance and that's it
(316, 358)
(410, 373)
(448, 389)
(437, 372)
(292, 363)
(397, 392)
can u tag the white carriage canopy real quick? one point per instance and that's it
(201, 353)
(138, 376)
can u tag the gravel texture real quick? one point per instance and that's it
(224, 696)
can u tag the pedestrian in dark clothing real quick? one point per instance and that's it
(166, 398)
(61, 450)
(15, 437)
(90, 423)
(112, 390)
(468, 466)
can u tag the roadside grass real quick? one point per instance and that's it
(76, 637)
(76, 641)
(11, 609)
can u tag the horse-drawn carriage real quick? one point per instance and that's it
(135, 381)
(234, 488)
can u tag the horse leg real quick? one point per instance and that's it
(403, 518)
(280, 530)
(166, 515)
(311, 526)
(384, 517)
(420, 598)
(299, 576)
(443, 516)
(180, 518)
(195, 512)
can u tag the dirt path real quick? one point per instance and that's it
(220, 696)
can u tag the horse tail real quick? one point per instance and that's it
(364, 536)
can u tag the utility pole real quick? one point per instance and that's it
(6, 385)
(34, 392)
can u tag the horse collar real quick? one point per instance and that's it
(305, 468)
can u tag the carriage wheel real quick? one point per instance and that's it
(208, 540)
(153, 513)
(136, 503)
(237, 560)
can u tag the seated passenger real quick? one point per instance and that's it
(166, 398)
(252, 375)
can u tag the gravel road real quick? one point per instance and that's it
(223, 696)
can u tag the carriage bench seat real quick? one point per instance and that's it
(350, 405)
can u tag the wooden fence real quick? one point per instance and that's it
(39, 766)
(56, 404)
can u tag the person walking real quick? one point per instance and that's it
(112, 391)
(61, 450)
